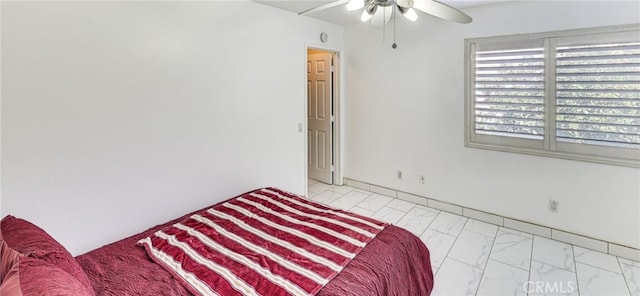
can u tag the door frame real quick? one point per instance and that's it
(338, 94)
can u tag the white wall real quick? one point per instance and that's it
(119, 116)
(405, 110)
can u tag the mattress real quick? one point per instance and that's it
(395, 262)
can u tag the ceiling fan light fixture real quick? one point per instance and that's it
(365, 16)
(431, 7)
(355, 5)
(368, 13)
(410, 14)
(405, 3)
(382, 16)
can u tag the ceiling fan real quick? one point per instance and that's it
(379, 12)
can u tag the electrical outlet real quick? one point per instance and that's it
(554, 205)
(421, 179)
(399, 175)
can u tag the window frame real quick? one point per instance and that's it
(549, 146)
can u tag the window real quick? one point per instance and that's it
(571, 94)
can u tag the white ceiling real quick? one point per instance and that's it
(340, 16)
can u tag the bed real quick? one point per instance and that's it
(393, 262)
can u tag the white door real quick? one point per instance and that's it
(319, 116)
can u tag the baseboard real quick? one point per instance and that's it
(508, 222)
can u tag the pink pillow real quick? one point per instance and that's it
(30, 240)
(31, 276)
(8, 258)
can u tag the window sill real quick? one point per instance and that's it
(558, 154)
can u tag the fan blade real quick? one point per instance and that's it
(442, 11)
(325, 6)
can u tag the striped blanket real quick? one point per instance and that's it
(265, 242)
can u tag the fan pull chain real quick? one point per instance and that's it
(384, 24)
(395, 14)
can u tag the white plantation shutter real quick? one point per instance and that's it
(598, 94)
(509, 92)
(572, 94)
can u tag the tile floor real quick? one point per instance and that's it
(470, 257)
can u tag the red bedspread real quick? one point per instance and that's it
(395, 263)
(265, 242)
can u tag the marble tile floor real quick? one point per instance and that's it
(471, 257)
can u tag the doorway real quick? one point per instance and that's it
(322, 116)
